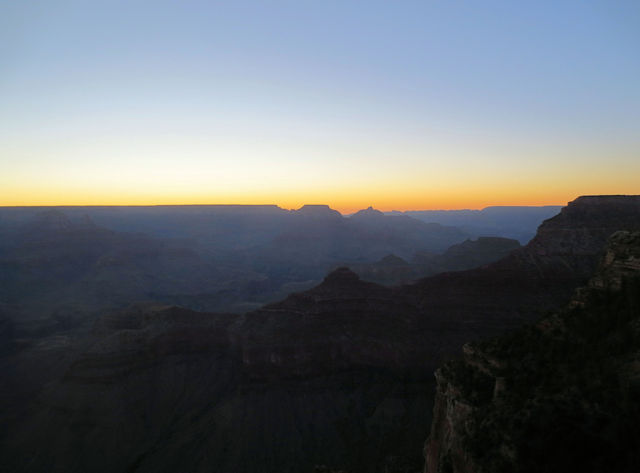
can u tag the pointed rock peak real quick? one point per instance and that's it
(368, 213)
(341, 275)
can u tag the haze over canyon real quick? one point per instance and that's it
(319, 237)
(110, 363)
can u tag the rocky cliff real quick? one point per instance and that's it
(560, 395)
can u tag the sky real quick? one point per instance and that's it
(396, 104)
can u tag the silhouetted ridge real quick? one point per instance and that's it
(511, 222)
(341, 275)
(393, 260)
(482, 247)
(369, 212)
(318, 211)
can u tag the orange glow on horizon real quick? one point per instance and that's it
(384, 196)
(345, 205)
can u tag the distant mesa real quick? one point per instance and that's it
(318, 211)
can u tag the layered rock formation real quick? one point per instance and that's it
(560, 395)
(335, 378)
(58, 269)
(324, 378)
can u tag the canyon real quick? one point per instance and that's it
(338, 377)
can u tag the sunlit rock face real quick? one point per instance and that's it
(560, 395)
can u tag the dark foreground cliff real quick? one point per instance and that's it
(561, 395)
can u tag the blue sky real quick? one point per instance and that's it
(398, 104)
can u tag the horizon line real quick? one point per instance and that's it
(344, 212)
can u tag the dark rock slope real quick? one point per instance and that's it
(561, 395)
(539, 277)
(325, 378)
(335, 378)
(393, 270)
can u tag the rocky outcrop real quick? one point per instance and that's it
(560, 395)
(621, 260)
